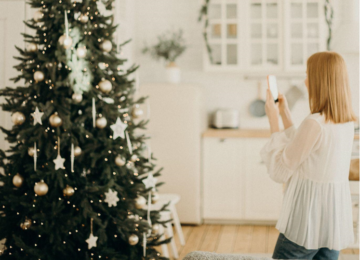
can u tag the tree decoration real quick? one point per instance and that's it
(77, 151)
(59, 162)
(101, 122)
(154, 197)
(128, 141)
(41, 188)
(72, 157)
(18, 118)
(83, 18)
(18, 180)
(68, 191)
(39, 76)
(120, 161)
(106, 46)
(140, 202)
(55, 120)
(26, 224)
(133, 158)
(77, 97)
(111, 198)
(155, 229)
(37, 116)
(31, 47)
(35, 156)
(105, 86)
(31, 151)
(38, 15)
(137, 112)
(133, 239)
(65, 40)
(92, 239)
(118, 129)
(81, 52)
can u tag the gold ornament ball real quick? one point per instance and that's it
(155, 229)
(105, 86)
(137, 112)
(38, 15)
(77, 97)
(140, 202)
(83, 18)
(133, 239)
(18, 118)
(133, 158)
(26, 224)
(68, 191)
(81, 52)
(154, 197)
(77, 151)
(31, 151)
(41, 188)
(106, 46)
(55, 120)
(65, 41)
(18, 180)
(119, 161)
(39, 76)
(31, 47)
(101, 122)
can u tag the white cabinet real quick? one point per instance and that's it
(236, 185)
(264, 36)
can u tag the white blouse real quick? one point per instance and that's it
(314, 162)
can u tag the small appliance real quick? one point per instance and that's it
(226, 118)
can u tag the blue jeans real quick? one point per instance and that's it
(286, 249)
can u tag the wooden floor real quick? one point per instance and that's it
(252, 239)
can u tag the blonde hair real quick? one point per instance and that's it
(329, 90)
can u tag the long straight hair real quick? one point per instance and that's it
(329, 90)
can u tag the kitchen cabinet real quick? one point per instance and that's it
(264, 36)
(236, 185)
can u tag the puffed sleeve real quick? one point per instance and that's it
(288, 149)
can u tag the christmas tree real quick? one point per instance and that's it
(77, 183)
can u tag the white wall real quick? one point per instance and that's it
(153, 17)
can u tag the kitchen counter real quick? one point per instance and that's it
(247, 133)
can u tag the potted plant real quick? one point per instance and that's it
(169, 47)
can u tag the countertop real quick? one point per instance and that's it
(249, 133)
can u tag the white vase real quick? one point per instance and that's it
(173, 73)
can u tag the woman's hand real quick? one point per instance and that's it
(283, 104)
(285, 111)
(272, 111)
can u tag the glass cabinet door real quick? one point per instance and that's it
(303, 31)
(264, 33)
(223, 32)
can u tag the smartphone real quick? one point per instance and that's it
(271, 79)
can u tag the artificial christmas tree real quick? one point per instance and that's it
(75, 179)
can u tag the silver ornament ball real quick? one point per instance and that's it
(18, 180)
(77, 151)
(55, 120)
(137, 112)
(77, 97)
(133, 158)
(154, 197)
(133, 239)
(65, 41)
(38, 15)
(31, 47)
(101, 122)
(39, 76)
(105, 86)
(155, 229)
(140, 202)
(31, 151)
(83, 18)
(41, 188)
(106, 46)
(119, 161)
(81, 52)
(18, 118)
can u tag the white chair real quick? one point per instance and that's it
(166, 215)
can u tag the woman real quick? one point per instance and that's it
(314, 160)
